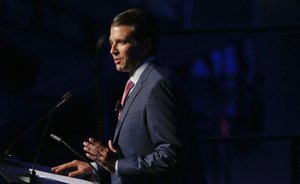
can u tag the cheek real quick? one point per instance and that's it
(132, 54)
(129, 55)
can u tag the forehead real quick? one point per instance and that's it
(120, 32)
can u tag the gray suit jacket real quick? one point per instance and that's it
(154, 133)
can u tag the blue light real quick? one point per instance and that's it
(199, 69)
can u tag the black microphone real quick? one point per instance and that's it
(64, 99)
(118, 106)
(31, 176)
(59, 139)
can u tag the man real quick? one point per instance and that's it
(153, 133)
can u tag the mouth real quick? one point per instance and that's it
(117, 60)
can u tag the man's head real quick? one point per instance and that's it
(134, 36)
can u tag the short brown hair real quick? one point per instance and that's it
(146, 26)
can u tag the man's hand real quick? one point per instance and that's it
(77, 168)
(105, 156)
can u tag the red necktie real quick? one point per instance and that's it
(128, 87)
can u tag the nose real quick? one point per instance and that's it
(113, 49)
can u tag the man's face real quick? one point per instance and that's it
(124, 48)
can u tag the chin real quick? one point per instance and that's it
(119, 69)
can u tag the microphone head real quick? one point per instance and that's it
(67, 95)
(64, 99)
(55, 137)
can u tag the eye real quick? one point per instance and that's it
(121, 43)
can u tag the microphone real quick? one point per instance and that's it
(118, 106)
(31, 176)
(59, 139)
(64, 99)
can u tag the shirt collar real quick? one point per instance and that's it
(135, 77)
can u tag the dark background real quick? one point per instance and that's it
(239, 59)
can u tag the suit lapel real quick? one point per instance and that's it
(137, 88)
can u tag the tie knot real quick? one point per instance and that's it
(129, 85)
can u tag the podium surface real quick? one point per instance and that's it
(11, 170)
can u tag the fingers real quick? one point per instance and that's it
(78, 168)
(93, 149)
(94, 142)
(92, 145)
(76, 173)
(111, 147)
(66, 166)
(106, 156)
(62, 167)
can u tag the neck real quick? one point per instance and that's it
(136, 66)
(140, 63)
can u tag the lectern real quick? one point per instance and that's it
(12, 170)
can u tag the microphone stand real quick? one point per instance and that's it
(31, 176)
(7, 151)
(65, 98)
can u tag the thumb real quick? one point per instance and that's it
(111, 147)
